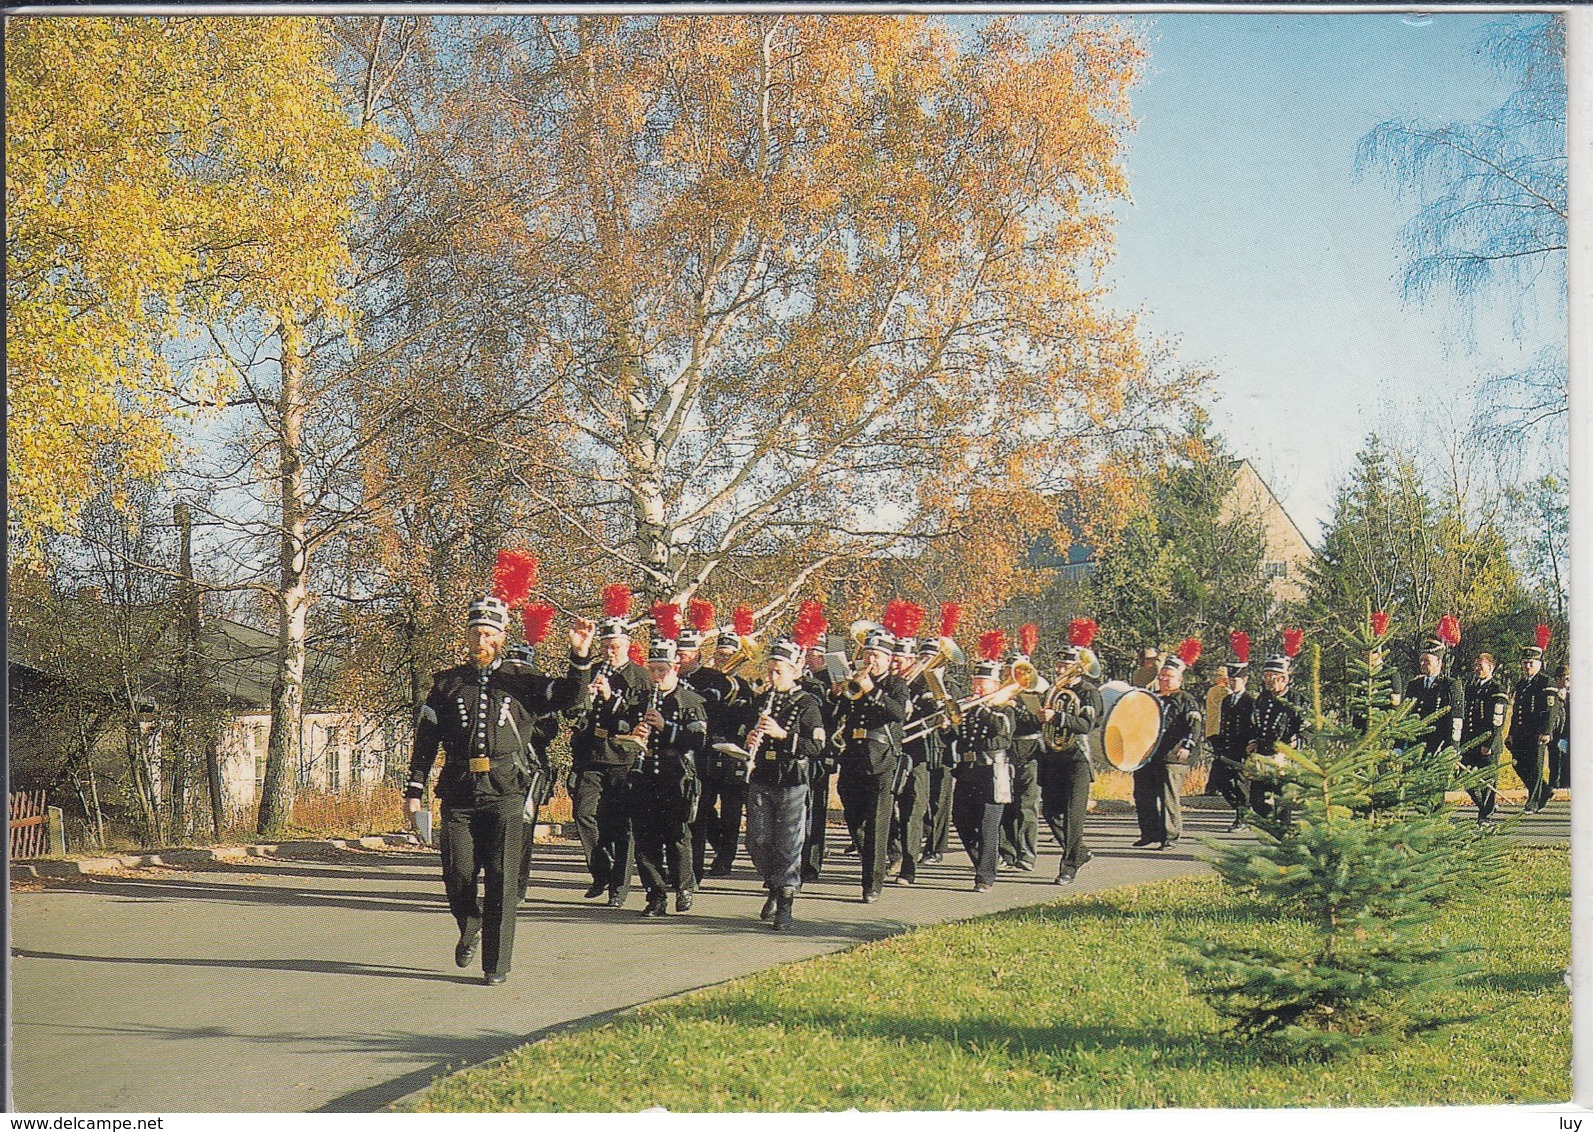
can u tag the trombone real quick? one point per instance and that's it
(1025, 678)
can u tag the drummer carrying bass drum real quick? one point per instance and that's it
(1158, 783)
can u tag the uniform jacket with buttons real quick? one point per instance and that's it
(1183, 729)
(592, 741)
(1234, 719)
(1274, 720)
(922, 703)
(984, 746)
(1429, 694)
(1026, 728)
(1072, 727)
(1536, 711)
(1487, 704)
(871, 726)
(674, 751)
(487, 713)
(789, 761)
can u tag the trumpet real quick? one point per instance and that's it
(859, 685)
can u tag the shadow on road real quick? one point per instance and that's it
(307, 966)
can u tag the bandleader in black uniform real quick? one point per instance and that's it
(600, 763)
(481, 715)
(662, 786)
(1065, 770)
(869, 712)
(1273, 720)
(1534, 718)
(983, 775)
(1482, 731)
(1158, 783)
(1434, 692)
(786, 740)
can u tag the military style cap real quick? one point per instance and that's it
(990, 669)
(1432, 646)
(1175, 662)
(521, 652)
(1531, 652)
(880, 641)
(489, 610)
(906, 646)
(1277, 662)
(1068, 655)
(661, 650)
(611, 628)
(929, 646)
(787, 650)
(728, 641)
(689, 639)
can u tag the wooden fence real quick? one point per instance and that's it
(27, 825)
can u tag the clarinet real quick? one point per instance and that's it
(763, 713)
(650, 749)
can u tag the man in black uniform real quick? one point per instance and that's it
(1273, 720)
(544, 729)
(1482, 731)
(480, 714)
(983, 775)
(601, 760)
(724, 791)
(785, 742)
(1229, 743)
(1534, 718)
(662, 788)
(815, 683)
(716, 690)
(1065, 771)
(1020, 825)
(868, 718)
(912, 803)
(1158, 783)
(1433, 692)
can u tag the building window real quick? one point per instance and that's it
(334, 758)
(1270, 570)
(259, 772)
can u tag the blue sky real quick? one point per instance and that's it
(1250, 239)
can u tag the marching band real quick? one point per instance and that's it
(668, 751)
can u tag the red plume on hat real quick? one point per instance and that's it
(701, 614)
(1292, 639)
(1081, 632)
(538, 617)
(741, 620)
(950, 614)
(1028, 638)
(1189, 651)
(1541, 635)
(638, 654)
(1380, 623)
(809, 627)
(666, 618)
(1239, 641)
(912, 619)
(992, 644)
(513, 576)
(616, 600)
(895, 615)
(1449, 630)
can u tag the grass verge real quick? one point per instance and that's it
(1076, 1004)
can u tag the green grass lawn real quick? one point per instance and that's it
(1075, 1004)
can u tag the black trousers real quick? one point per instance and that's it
(663, 840)
(603, 819)
(1020, 824)
(1156, 803)
(1064, 800)
(718, 822)
(818, 822)
(1532, 765)
(1484, 796)
(483, 842)
(528, 842)
(907, 819)
(866, 800)
(1226, 783)
(978, 820)
(938, 822)
(1559, 765)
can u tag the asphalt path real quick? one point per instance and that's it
(325, 981)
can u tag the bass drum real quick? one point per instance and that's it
(1133, 724)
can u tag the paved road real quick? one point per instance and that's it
(327, 982)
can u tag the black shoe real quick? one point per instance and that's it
(983, 886)
(494, 979)
(616, 900)
(870, 897)
(905, 878)
(1144, 843)
(851, 850)
(657, 904)
(782, 910)
(810, 876)
(769, 907)
(1167, 844)
(1027, 866)
(1238, 825)
(1065, 875)
(465, 949)
(683, 902)
(597, 889)
(719, 869)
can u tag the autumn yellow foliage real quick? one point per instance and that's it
(162, 175)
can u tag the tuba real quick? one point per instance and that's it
(1062, 698)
